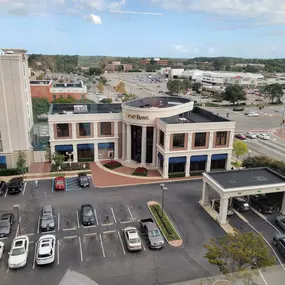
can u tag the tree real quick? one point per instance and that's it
(40, 106)
(120, 88)
(100, 87)
(60, 80)
(41, 76)
(55, 78)
(187, 84)
(239, 148)
(94, 71)
(58, 159)
(103, 80)
(85, 101)
(129, 97)
(234, 93)
(21, 161)
(106, 100)
(64, 100)
(48, 153)
(273, 91)
(196, 87)
(175, 86)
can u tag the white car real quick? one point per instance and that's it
(45, 249)
(1, 248)
(132, 238)
(250, 135)
(18, 254)
(252, 114)
(263, 136)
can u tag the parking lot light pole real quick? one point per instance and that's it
(17, 208)
(164, 188)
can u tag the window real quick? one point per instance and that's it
(1, 145)
(62, 130)
(221, 138)
(200, 139)
(161, 138)
(54, 97)
(84, 129)
(178, 140)
(105, 128)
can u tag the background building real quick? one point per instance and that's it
(154, 61)
(118, 66)
(16, 116)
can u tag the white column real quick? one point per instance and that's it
(211, 139)
(96, 154)
(74, 130)
(143, 146)
(232, 134)
(154, 155)
(165, 167)
(129, 143)
(166, 142)
(116, 133)
(123, 140)
(187, 166)
(95, 129)
(116, 150)
(223, 210)
(189, 144)
(51, 131)
(208, 166)
(52, 150)
(75, 155)
(282, 210)
(228, 162)
(205, 194)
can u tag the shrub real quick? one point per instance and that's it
(112, 164)
(176, 174)
(12, 171)
(74, 166)
(140, 171)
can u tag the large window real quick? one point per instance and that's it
(105, 128)
(1, 145)
(161, 138)
(200, 139)
(62, 130)
(221, 138)
(84, 129)
(178, 140)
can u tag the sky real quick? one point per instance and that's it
(145, 28)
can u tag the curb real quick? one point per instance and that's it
(173, 243)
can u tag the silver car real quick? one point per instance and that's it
(47, 221)
(132, 238)
(250, 135)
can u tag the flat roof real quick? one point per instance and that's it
(246, 177)
(40, 82)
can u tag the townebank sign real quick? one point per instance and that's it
(136, 117)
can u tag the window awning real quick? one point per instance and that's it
(196, 158)
(177, 159)
(67, 148)
(222, 156)
(85, 146)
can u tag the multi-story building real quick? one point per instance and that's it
(166, 132)
(157, 61)
(45, 89)
(16, 116)
(118, 66)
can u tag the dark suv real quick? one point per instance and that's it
(3, 187)
(240, 204)
(262, 204)
(83, 180)
(15, 185)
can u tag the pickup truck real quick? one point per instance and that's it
(151, 233)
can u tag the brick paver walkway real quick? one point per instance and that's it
(39, 167)
(279, 133)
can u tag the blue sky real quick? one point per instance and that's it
(145, 28)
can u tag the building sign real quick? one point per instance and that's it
(136, 117)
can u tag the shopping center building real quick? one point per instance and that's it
(167, 133)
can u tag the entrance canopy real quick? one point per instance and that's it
(241, 182)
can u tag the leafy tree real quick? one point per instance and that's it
(85, 101)
(187, 84)
(60, 80)
(220, 63)
(175, 86)
(129, 97)
(106, 100)
(21, 161)
(196, 87)
(100, 87)
(71, 81)
(251, 69)
(273, 91)
(88, 86)
(55, 78)
(120, 87)
(40, 106)
(238, 253)
(234, 93)
(58, 159)
(64, 100)
(94, 71)
(41, 76)
(66, 78)
(239, 148)
(103, 80)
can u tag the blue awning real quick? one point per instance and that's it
(177, 159)
(196, 158)
(160, 156)
(2, 159)
(219, 156)
(105, 145)
(67, 148)
(85, 146)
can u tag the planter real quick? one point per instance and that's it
(176, 174)
(67, 167)
(140, 171)
(112, 164)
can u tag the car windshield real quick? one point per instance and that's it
(4, 223)
(47, 217)
(134, 240)
(154, 233)
(84, 179)
(59, 182)
(18, 251)
(87, 211)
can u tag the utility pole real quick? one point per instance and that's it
(164, 188)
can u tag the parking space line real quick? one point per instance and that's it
(58, 221)
(102, 246)
(24, 189)
(3, 238)
(121, 242)
(38, 228)
(109, 224)
(70, 237)
(31, 241)
(87, 227)
(80, 247)
(8, 269)
(95, 214)
(17, 231)
(57, 252)
(30, 234)
(77, 216)
(90, 234)
(34, 261)
(69, 229)
(6, 193)
(130, 213)
(126, 222)
(142, 241)
(113, 215)
(109, 232)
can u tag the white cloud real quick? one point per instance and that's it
(93, 19)
(181, 48)
(272, 11)
(211, 50)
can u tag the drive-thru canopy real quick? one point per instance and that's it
(241, 182)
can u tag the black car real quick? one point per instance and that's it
(87, 215)
(262, 204)
(238, 109)
(240, 204)
(3, 187)
(6, 222)
(15, 185)
(83, 180)
(280, 221)
(279, 241)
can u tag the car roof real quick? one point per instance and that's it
(60, 178)
(132, 233)
(6, 215)
(86, 205)
(47, 208)
(45, 245)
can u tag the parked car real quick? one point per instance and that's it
(246, 112)
(83, 180)
(253, 114)
(240, 136)
(151, 233)
(45, 250)
(238, 109)
(280, 221)
(250, 135)
(15, 185)
(87, 215)
(262, 204)
(47, 218)
(132, 238)
(6, 222)
(2, 247)
(240, 204)
(59, 183)
(279, 242)
(263, 136)
(18, 254)
(3, 187)
(216, 206)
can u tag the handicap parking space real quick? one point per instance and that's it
(113, 243)
(106, 215)
(123, 214)
(92, 247)
(72, 184)
(68, 220)
(69, 251)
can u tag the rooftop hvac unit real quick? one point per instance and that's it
(183, 120)
(79, 109)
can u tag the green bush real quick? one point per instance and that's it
(74, 166)
(140, 171)
(176, 174)
(12, 171)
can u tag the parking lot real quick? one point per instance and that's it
(99, 251)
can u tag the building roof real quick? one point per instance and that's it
(246, 177)
(40, 82)
(197, 115)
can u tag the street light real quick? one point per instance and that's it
(69, 157)
(17, 208)
(164, 188)
(249, 153)
(84, 166)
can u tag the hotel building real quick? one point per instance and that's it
(168, 133)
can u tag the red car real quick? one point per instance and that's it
(59, 183)
(240, 136)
